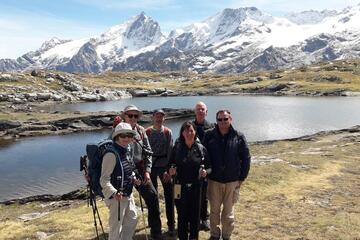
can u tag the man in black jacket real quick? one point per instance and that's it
(202, 125)
(230, 159)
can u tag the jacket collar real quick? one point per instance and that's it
(231, 130)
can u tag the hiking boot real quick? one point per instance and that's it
(171, 232)
(204, 225)
(214, 238)
(157, 237)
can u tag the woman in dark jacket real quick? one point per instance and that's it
(189, 161)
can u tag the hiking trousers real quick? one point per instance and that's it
(188, 211)
(168, 193)
(225, 195)
(125, 228)
(150, 195)
(204, 215)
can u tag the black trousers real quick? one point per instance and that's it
(168, 194)
(204, 214)
(188, 211)
(150, 195)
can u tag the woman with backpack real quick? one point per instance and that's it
(189, 162)
(117, 179)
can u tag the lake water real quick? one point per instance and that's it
(50, 164)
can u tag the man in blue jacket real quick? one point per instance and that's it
(230, 159)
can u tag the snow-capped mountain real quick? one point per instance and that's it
(310, 17)
(234, 40)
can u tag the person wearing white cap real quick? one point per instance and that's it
(117, 179)
(143, 161)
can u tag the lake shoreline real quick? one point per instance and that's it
(81, 194)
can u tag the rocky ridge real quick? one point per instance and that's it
(85, 122)
(333, 78)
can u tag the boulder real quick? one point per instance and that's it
(50, 80)
(6, 124)
(109, 96)
(43, 96)
(7, 78)
(17, 100)
(72, 87)
(78, 125)
(3, 98)
(37, 73)
(140, 93)
(276, 87)
(30, 96)
(57, 97)
(275, 76)
(123, 94)
(88, 97)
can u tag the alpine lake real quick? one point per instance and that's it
(50, 164)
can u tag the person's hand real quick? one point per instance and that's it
(136, 181)
(87, 178)
(146, 178)
(166, 177)
(203, 173)
(172, 171)
(118, 196)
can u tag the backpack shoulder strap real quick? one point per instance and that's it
(118, 160)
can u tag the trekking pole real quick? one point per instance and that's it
(143, 216)
(119, 192)
(173, 179)
(94, 213)
(92, 199)
(200, 195)
(98, 215)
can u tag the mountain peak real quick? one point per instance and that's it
(54, 41)
(241, 14)
(143, 30)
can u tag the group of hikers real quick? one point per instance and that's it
(207, 163)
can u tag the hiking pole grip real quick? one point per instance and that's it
(202, 167)
(118, 178)
(201, 179)
(119, 206)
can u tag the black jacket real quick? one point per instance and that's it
(201, 128)
(229, 155)
(188, 161)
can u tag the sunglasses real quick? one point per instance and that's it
(222, 119)
(126, 135)
(133, 116)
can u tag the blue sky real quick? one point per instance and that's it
(26, 24)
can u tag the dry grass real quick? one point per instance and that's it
(311, 192)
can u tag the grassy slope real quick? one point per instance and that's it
(311, 192)
(306, 79)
